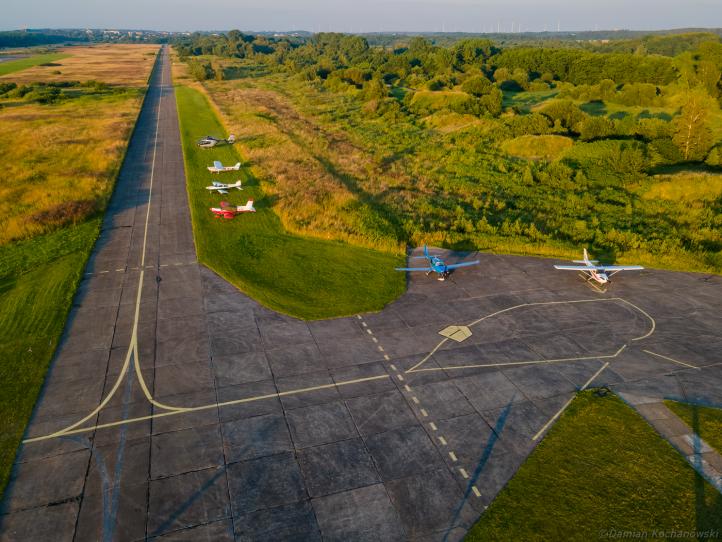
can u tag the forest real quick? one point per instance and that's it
(475, 144)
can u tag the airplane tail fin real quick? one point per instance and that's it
(247, 207)
(237, 166)
(586, 260)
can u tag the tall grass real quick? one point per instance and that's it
(57, 155)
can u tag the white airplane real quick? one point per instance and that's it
(217, 167)
(599, 273)
(223, 188)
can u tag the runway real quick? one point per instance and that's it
(177, 408)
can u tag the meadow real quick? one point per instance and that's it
(301, 276)
(59, 161)
(12, 66)
(117, 64)
(600, 469)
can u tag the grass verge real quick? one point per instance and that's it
(13, 66)
(705, 421)
(601, 470)
(38, 279)
(303, 277)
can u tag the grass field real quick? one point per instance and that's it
(59, 163)
(705, 421)
(304, 277)
(601, 469)
(12, 66)
(38, 279)
(116, 64)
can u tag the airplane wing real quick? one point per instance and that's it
(576, 267)
(463, 264)
(221, 191)
(620, 268)
(414, 269)
(602, 268)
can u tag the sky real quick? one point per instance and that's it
(363, 16)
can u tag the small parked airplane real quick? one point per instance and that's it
(226, 210)
(436, 265)
(209, 142)
(222, 188)
(217, 167)
(599, 273)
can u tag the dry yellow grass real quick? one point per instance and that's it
(318, 178)
(55, 155)
(116, 64)
(537, 147)
(58, 162)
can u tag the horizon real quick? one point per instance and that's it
(375, 16)
(685, 29)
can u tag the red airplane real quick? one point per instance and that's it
(226, 210)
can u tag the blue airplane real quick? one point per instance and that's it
(436, 265)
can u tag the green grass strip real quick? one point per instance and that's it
(12, 66)
(304, 277)
(37, 281)
(601, 470)
(705, 421)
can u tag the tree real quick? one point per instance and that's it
(375, 89)
(691, 131)
(477, 86)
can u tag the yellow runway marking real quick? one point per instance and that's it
(533, 362)
(672, 360)
(653, 326)
(203, 407)
(476, 491)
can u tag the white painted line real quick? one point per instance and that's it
(381, 348)
(101, 272)
(415, 400)
(463, 473)
(424, 413)
(672, 360)
(164, 265)
(386, 357)
(569, 402)
(476, 491)
(433, 426)
(369, 331)
(400, 377)
(374, 339)
(364, 324)
(358, 316)
(393, 367)
(407, 388)
(442, 440)
(121, 269)
(452, 455)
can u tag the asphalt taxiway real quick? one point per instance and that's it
(178, 408)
